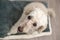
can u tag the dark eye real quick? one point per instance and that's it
(29, 17)
(34, 24)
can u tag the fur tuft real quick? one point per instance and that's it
(51, 13)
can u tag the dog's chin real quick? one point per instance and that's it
(29, 32)
(25, 32)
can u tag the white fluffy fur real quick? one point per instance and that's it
(39, 13)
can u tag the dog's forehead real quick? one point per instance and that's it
(37, 12)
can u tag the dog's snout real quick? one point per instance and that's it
(20, 29)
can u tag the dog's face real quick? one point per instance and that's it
(36, 20)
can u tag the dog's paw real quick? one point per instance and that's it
(12, 32)
(9, 33)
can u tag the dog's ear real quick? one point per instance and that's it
(27, 11)
(51, 12)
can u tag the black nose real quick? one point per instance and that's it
(20, 29)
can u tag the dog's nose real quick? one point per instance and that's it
(20, 29)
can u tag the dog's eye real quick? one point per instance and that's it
(35, 24)
(29, 17)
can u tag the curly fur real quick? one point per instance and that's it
(39, 12)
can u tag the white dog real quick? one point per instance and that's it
(34, 18)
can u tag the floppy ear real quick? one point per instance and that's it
(51, 13)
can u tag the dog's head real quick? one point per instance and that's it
(34, 21)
